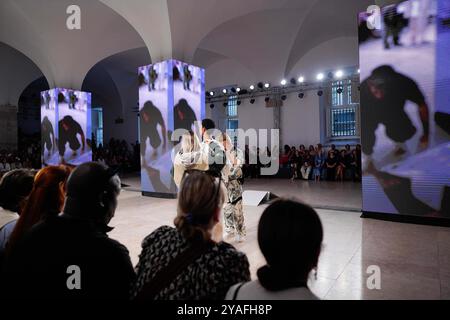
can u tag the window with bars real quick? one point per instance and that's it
(343, 111)
(232, 107)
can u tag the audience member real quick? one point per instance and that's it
(46, 263)
(341, 165)
(306, 170)
(331, 164)
(45, 200)
(290, 237)
(183, 263)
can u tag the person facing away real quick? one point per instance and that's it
(14, 188)
(71, 256)
(45, 200)
(290, 237)
(212, 150)
(212, 267)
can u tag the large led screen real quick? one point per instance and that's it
(405, 106)
(171, 97)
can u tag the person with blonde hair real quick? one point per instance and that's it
(185, 263)
(189, 156)
(233, 210)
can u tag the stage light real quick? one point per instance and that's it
(211, 93)
(233, 90)
(283, 97)
(225, 104)
(320, 93)
(339, 74)
(252, 87)
(339, 90)
(293, 81)
(224, 91)
(320, 76)
(267, 99)
(211, 105)
(238, 102)
(252, 100)
(301, 95)
(238, 89)
(260, 85)
(283, 82)
(301, 79)
(267, 85)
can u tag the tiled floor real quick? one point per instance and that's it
(414, 260)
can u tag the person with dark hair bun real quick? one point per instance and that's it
(290, 237)
(186, 262)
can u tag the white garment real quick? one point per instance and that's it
(7, 222)
(255, 291)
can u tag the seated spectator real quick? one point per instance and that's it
(331, 164)
(312, 151)
(341, 166)
(333, 150)
(319, 161)
(293, 160)
(14, 188)
(306, 170)
(76, 241)
(290, 238)
(45, 200)
(183, 263)
(353, 166)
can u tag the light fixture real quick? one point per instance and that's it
(238, 89)
(320, 93)
(301, 79)
(267, 99)
(233, 90)
(339, 90)
(283, 97)
(339, 74)
(252, 87)
(224, 91)
(225, 104)
(238, 102)
(301, 95)
(267, 85)
(260, 85)
(320, 76)
(211, 105)
(211, 93)
(252, 100)
(283, 82)
(293, 81)
(359, 70)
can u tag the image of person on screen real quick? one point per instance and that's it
(72, 100)
(187, 77)
(151, 117)
(47, 136)
(184, 116)
(69, 130)
(393, 26)
(385, 95)
(152, 77)
(47, 100)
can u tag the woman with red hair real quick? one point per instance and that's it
(45, 200)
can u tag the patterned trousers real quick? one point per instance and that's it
(234, 218)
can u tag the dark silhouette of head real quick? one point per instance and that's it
(92, 191)
(208, 124)
(290, 237)
(15, 186)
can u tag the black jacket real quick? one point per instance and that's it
(39, 267)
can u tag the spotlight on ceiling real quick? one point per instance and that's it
(283, 97)
(233, 90)
(224, 91)
(238, 102)
(283, 82)
(260, 85)
(301, 95)
(293, 81)
(267, 85)
(301, 79)
(320, 93)
(339, 74)
(320, 76)
(267, 99)
(238, 89)
(211, 105)
(243, 91)
(225, 104)
(339, 90)
(252, 100)
(211, 93)
(252, 87)
(330, 75)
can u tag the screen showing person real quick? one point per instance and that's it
(153, 114)
(49, 127)
(74, 127)
(404, 103)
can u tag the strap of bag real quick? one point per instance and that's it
(236, 291)
(166, 275)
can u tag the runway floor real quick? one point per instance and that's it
(414, 260)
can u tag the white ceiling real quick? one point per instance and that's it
(268, 37)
